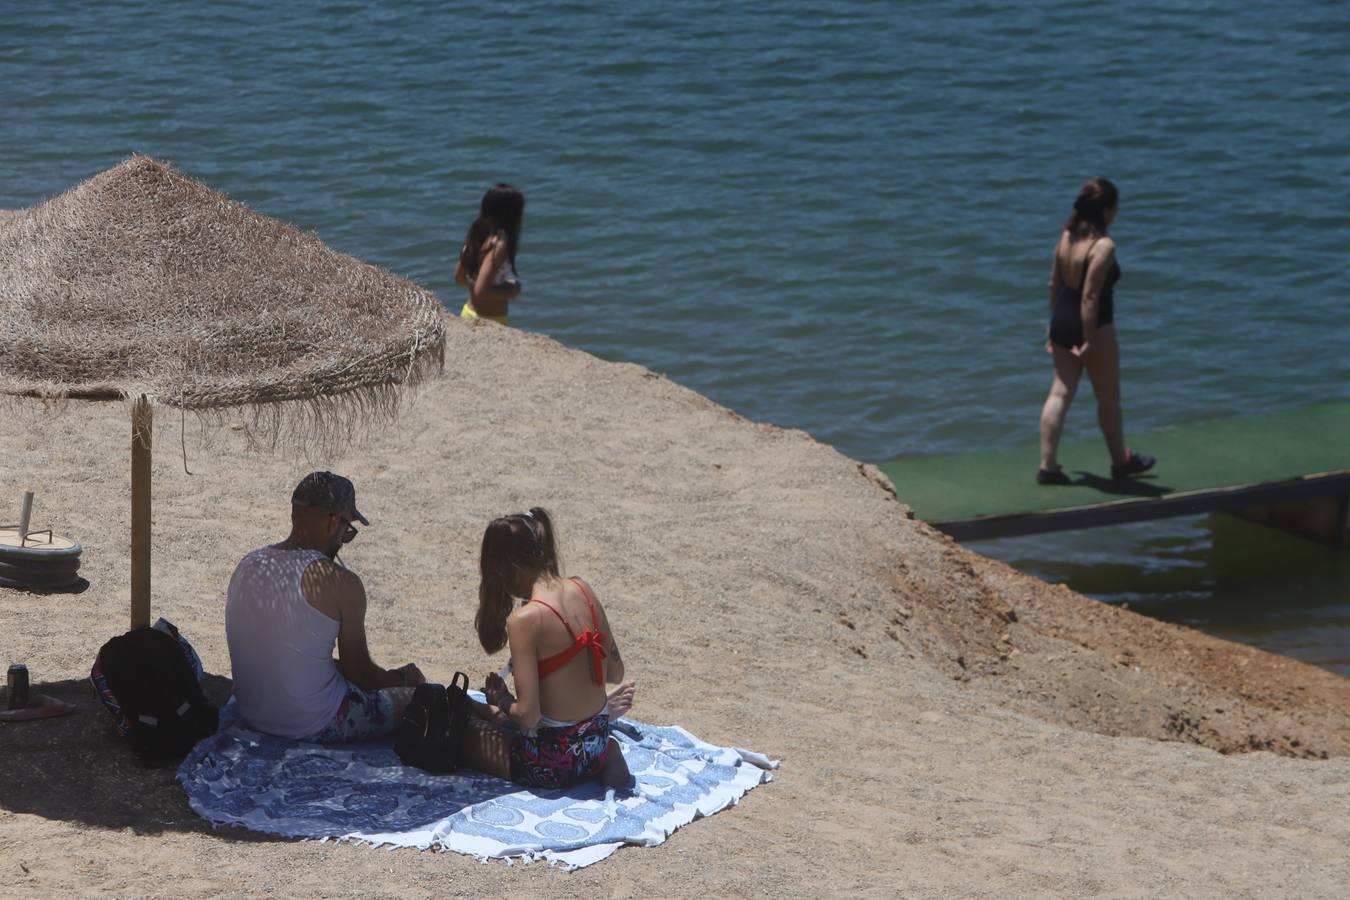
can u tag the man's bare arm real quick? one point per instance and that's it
(343, 592)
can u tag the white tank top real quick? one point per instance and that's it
(281, 648)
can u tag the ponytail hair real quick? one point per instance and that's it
(1089, 210)
(517, 550)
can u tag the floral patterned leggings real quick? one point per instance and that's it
(363, 715)
(561, 757)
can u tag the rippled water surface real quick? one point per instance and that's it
(834, 216)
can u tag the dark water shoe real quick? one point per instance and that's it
(1135, 464)
(1052, 476)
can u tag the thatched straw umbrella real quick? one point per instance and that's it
(144, 286)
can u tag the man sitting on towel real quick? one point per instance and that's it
(288, 604)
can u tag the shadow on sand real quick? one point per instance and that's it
(78, 586)
(77, 769)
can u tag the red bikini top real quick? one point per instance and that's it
(591, 638)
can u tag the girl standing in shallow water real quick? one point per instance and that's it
(487, 261)
(554, 732)
(1082, 335)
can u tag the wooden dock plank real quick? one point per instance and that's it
(1216, 464)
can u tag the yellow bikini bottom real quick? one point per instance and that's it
(468, 312)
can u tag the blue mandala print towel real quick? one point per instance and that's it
(363, 792)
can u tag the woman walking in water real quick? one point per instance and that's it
(1083, 276)
(487, 261)
(554, 732)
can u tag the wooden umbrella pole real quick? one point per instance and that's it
(141, 421)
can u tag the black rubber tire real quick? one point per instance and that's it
(44, 584)
(37, 553)
(38, 572)
(41, 566)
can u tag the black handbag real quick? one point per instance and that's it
(435, 726)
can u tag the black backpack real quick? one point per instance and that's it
(147, 682)
(435, 726)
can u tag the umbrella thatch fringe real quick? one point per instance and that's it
(319, 427)
(143, 282)
(323, 426)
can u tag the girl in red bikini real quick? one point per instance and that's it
(554, 731)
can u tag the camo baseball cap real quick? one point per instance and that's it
(325, 490)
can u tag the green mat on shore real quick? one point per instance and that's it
(1219, 453)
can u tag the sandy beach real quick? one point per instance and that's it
(946, 725)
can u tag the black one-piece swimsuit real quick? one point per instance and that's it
(1066, 321)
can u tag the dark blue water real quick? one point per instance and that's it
(835, 217)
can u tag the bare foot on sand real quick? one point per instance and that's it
(616, 768)
(621, 699)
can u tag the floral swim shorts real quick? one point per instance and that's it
(363, 715)
(561, 757)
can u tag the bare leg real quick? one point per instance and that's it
(621, 699)
(1103, 365)
(1068, 370)
(488, 748)
(616, 774)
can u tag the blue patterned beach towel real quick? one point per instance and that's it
(363, 792)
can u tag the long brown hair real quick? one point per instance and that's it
(501, 209)
(517, 550)
(1089, 210)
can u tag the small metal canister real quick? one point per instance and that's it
(17, 680)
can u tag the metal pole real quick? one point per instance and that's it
(25, 515)
(141, 421)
